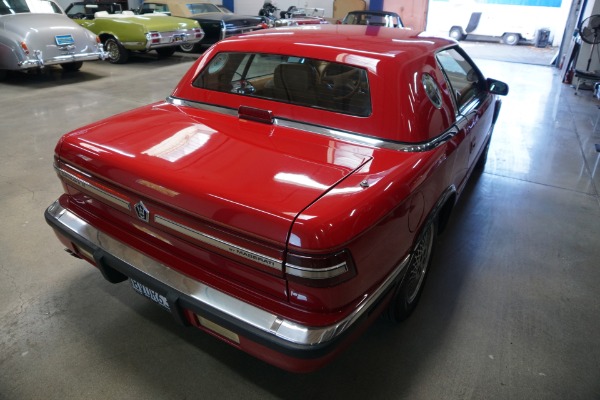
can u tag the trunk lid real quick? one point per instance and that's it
(250, 177)
(160, 23)
(40, 31)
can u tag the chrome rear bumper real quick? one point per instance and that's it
(280, 333)
(38, 61)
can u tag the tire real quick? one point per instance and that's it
(190, 48)
(117, 54)
(408, 291)
(456, 33)
(511, 39)
(72, 66)
(165, 52)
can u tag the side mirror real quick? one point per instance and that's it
(497, 87)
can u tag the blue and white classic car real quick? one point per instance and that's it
(36, 33)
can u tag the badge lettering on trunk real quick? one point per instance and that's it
(142, 212)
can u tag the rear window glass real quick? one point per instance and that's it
(294, 80)
(13, 7)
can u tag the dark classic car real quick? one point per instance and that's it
(123, 32)
(289, 190)
(217, 25)
(377, 18)
(35, 33)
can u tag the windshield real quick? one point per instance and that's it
(200, 8)
(13, 7)
(388, 20)
(44, 7)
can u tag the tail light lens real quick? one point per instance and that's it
(197, 32)
(25, 48)
(320, 270)
(153, 37)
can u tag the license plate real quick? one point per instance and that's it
(62, 40)
(151, 294)
(178, 38)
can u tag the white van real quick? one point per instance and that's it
(485, 25)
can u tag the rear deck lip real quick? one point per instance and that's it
(246, 319)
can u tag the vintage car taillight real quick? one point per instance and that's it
(83, 181)
(25, 48)
(197, 32)
(320, 270)
(153, 37)
(98, 40)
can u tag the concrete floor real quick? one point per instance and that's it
(510, 311)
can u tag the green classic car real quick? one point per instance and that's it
(122, 31)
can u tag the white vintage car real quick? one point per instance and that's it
(36, 33)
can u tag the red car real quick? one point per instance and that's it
(289, 190)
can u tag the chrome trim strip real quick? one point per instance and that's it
(134, 44)
(240, 311)
(353, 137)
(221, 244)
(88, 186)
(316, 273)
(202, 106)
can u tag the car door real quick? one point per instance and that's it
(472, 104)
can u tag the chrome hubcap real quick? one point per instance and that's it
(112, 50)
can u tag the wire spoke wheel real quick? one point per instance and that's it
(418, 265)
(408, 291)
(117, 54)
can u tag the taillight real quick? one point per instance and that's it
(98, 41)
(25, 48)
(320, 270)
(153, 37)
(83, 181)
(198, 32)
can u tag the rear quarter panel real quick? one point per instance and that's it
(10, 52)
(379, 223)
(123, 31)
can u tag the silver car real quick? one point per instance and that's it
(36, 33)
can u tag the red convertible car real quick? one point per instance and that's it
(289, 190)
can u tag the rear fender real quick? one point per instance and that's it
(440, 213)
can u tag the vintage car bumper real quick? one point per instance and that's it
(285, 343)
(36, 60)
